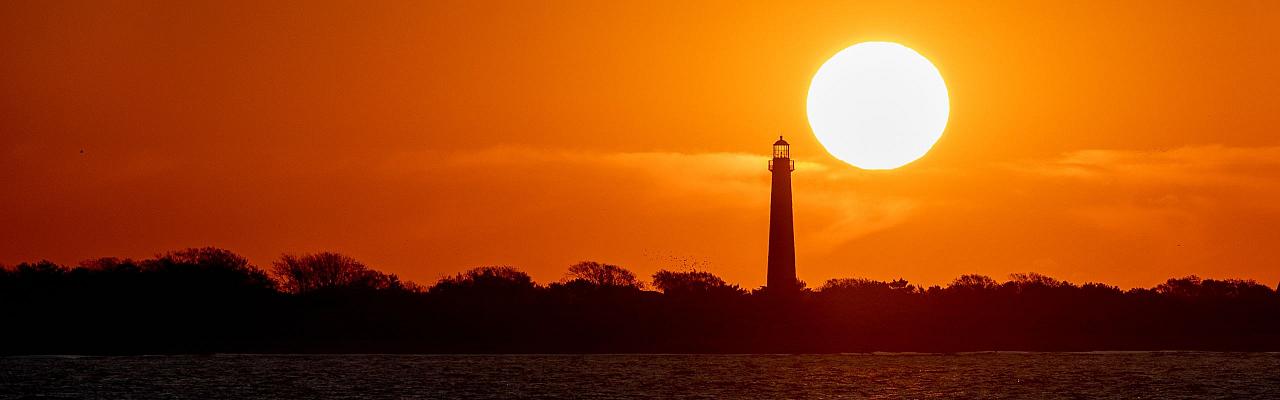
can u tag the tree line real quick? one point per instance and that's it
(210, 300)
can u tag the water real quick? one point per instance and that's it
(978, 375)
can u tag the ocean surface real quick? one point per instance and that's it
(1154, 375)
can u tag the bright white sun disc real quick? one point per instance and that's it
(878, 105)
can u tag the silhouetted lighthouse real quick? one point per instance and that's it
(782, 238)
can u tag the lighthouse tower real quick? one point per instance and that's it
(782, 238)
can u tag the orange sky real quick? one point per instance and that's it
(1124, 143)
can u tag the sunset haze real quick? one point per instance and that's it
(1124, 143)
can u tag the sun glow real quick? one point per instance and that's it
(878, 105)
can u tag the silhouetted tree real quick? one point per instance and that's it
(603, 275)
(974, 282)
(1023, 281)
(864, 290)
(111, 264)
(1193, 286)
(853, 284)
(692, 282)
(1100, 289)
(212, 300)
(1188, 286)
(326, 270)
(487, 280)
(41, 273)
(901, 284)
(203, 267)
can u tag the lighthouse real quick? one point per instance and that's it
(782, 238)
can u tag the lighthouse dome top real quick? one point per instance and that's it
(781, 149)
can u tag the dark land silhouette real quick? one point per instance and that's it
(211, 300)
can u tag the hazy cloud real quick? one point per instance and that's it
(833, 214)
(1200, 165)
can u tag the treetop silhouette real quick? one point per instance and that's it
(212, 300)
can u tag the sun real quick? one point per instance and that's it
(878, 105)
